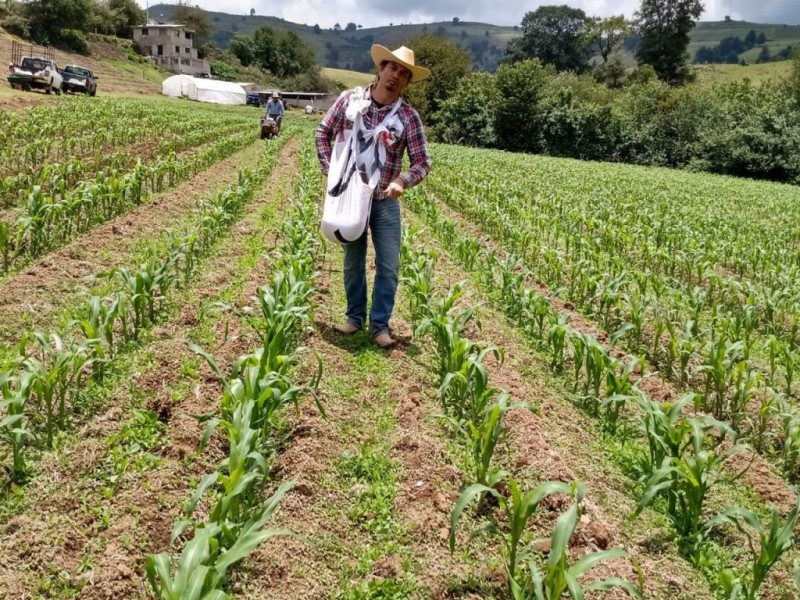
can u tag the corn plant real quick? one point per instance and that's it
(484, 437)
(558, 576)
(682, 464)
(56, 376)
(13, 425)
(773, 542)
(518, 508)
(202, 568)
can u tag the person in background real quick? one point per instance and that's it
(275, 109)
(396, 70)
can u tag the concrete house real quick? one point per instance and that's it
(170, 46)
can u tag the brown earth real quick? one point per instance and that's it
(143, 508)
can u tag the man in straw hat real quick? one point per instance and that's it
(396, 69)
(275, 108)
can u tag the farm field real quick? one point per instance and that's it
(620, 342)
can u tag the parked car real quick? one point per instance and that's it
(254, 99)
(35, 73)
(78, 80)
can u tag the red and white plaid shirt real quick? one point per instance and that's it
(413, 138)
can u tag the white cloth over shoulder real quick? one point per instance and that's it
(355, 170)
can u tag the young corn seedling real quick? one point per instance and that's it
(690, 465)
(485, 435)
(518, 508)
(558, 576)
(13, 426)
(202, 567)
(56, 375)
(773, 542)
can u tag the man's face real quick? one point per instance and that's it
(394, 78)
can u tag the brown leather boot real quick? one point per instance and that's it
(384, 340)
(347, 328)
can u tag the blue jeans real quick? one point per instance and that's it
(384, 223)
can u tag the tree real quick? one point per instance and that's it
(127, 14)
(763, 56)
(252, 12)
(194, 18)
(281, 52)
(448, 63)
(350, 27)
(241, 46)
(555, 35)
(467, 116)
(48, 19)
(317, 29)
(761, 38)
(456, 20)
(518, 119)
(664, 27)
(607, 34)
(337, 28)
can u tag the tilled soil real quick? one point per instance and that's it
(30, 298)
(111, 536)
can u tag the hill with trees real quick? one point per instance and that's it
(347, 46)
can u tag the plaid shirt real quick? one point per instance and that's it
(413, 138)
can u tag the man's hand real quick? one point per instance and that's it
(395, 188)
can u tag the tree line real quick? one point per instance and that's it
(546, 98)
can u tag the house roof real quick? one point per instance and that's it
(163, 26)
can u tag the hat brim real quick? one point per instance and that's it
(381, 53)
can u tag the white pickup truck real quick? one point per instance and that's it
(35, 73)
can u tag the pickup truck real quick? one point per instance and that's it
(35, 73)
(78, 80)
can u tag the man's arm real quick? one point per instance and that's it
(330, 124)
(417, 146)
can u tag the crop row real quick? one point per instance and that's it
(53, 374)
(474, 412)
(50, 220)
(260, 385)
(679, 458)
(59, 177)
(742, 368)
(77, 127)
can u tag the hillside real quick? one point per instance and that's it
(486, 43)
(116, 73)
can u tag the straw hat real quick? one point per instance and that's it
(402, 56)
(275, 95)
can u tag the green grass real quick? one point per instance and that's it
(140, 72)
(755, 73)
(348, 78)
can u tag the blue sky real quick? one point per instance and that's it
(382, 12)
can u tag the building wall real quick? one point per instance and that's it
(171, 48)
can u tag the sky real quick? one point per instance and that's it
(505, 12)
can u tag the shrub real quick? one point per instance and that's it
(467, 117)
(73, 40)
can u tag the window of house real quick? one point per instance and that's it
(187, 50)
(144, 32)
(177, 49)
(160, 50)
(188, 35)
